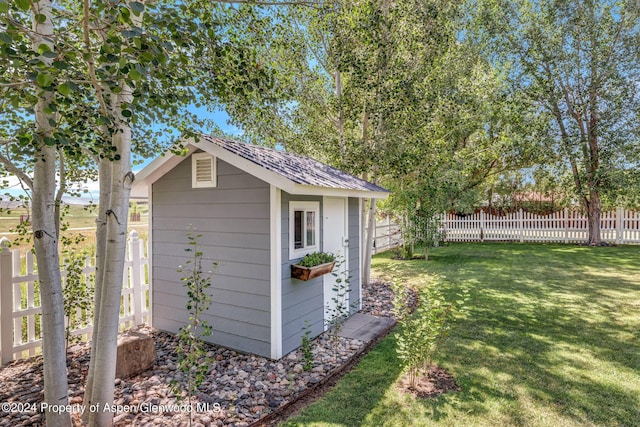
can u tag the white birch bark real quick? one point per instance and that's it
(115, 178)
(46, 237)
(368, 248)
(115, 243)
(104, 173)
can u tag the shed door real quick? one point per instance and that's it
(335, 240)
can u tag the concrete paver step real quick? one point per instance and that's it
(365, 327)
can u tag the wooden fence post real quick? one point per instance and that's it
(619, 225)
(136, 280)
(6, 301)
(521, 224)
(566, 225)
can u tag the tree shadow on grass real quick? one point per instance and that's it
(368, 395)
(544, 331)
(541, 336)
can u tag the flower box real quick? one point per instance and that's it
(307, 273)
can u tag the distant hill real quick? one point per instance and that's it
(7, 203)
(81, 201)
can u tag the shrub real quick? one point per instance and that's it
(339, 309)
(422, 333)
(191, 350)
(316, 258)
(307, 347)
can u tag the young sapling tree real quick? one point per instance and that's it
(192, 354)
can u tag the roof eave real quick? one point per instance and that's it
(312, 190)
(163, 164)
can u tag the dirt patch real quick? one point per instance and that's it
(432, 384)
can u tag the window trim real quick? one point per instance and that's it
(305, 207)
(195, 157)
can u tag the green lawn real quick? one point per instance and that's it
(552, 338)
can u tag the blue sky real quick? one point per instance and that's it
(219, 117)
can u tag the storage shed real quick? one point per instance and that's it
(259, 211)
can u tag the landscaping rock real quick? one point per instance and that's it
(136, 354)
(238, 390)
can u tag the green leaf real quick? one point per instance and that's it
(5, 38)
(126, 113)
(135, 74)
(136, 7)
(64, 89)
(43, 47)
(4, 6)
(40, 18)
(23, 4)
(44, 79)
(61, 65)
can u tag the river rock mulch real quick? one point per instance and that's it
(238, 390)
(378, 297)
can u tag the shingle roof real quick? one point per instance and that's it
(300, 170)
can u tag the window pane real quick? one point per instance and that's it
(297, 229)
(311, 229)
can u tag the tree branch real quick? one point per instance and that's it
(278, 3)
(90, 61)
(61, 190)
(10, 167)
(315, 54)
(15, 84)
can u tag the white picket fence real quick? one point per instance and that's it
(619, 226)
(386, 235)
(19, 306)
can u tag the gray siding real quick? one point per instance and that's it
(354, 253)
(233, 219)
(302, 302)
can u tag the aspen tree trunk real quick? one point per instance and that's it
(46, 248)
(365, 217)
(115, 244)
(340, 123)
(594, 211)
(115, 178)
(368, 248)
(104, 178)
(104, 172)
(46, 236)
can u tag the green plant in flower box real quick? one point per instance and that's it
(316, 258)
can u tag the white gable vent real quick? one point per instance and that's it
(203, 170)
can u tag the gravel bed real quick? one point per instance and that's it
(238, 389)
(377, 298)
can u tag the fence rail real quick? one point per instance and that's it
(387, 235)
(20, 308)
(618, 226)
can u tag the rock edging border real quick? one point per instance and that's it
(321, 387)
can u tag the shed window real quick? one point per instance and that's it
(203, 170)
(304, 226)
